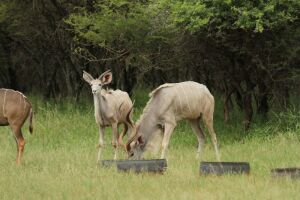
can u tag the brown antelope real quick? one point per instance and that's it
(14, 110)
(112, 107)
(168, 104)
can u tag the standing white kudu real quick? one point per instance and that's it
(112, 107)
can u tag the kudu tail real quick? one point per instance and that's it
(130, 115)
(30, 121)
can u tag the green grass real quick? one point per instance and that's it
(60, 160)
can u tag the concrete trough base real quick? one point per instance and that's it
(220, 168)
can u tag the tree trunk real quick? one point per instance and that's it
(129, 80)
(247, 104)
(262, 101)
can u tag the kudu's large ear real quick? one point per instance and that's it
(87, 77)
(106, 77)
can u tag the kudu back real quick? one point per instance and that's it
(14, 110)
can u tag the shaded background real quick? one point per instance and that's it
(247, 52)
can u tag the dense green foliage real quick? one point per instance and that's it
(246, 51)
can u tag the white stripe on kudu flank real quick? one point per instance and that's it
(24, 105)
(4, 102)
(21, 95)
(178, 95)
(186, 98)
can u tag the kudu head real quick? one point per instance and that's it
(135, 145)
(97, 84)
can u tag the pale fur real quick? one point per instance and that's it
(14, 110)
(168, 104)
(112, 107)
(115, 109)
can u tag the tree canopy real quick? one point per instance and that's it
(247, 51)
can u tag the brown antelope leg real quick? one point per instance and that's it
(20, 142)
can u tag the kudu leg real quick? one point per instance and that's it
(101, 142)
(19, 141)
(115, 142)
(209, 124)
(200, 136)
(166, 139)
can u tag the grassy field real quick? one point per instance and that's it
(60, 160)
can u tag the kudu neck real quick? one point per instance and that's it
(98, 101)
(147, 125)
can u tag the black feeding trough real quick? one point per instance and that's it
(153, 166)
(293, 173)
(219, 168)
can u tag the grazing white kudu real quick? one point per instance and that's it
(168, 104)
(14, 110)
(112, 107)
